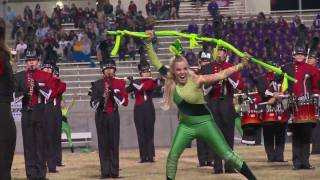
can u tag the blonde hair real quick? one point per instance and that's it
(170, 82)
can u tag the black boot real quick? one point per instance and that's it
(168, 178)
(247, 172)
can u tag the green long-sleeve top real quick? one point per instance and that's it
(65, 110)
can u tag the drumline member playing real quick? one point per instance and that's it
(250, 116)
(107, 94)
(274, 120)
(303, 93)
(220, 99)
(312, 59)
(144, 112)
(185, 89)
(34, 87)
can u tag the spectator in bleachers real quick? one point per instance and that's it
(108, 8)
(131, 48)
(10, 14)
(150, 22)
(140, 22)
(42, 31)
(165, 9)
(177, 6)
(191, 58)
(150, 8)
(38, 14)
(192, 27)
(20, 48)
(132, 9)
(206, 29)
(119, 9)
(27, 13)
(316, 23)
(213, 8)
(122, 49)
(296, 21)
(229, 23)
(173, 10)
(158, 9)
(18, 23)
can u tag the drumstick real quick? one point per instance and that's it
(243, 94)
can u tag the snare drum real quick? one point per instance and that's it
(274, 115)
(249, 117)
(305, 111)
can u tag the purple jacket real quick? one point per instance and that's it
(193, 28)
(213, 6)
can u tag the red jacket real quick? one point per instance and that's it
(143, 90)
(117, 91)
(217, 88)
(46, 83)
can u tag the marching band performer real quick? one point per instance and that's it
(220, 99)
(53, 120)
(107, 94)
(34, 87)
(144, 112)
(7, 125)
(185, 89)
(274, 119)
(313, 58)
(302, 105)
(204, 152)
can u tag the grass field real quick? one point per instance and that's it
(83, 166)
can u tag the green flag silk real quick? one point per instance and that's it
(193, 38)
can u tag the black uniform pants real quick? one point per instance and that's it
(7, 140)
(301, 137)
(274, 136)
(51, 130)
(204, 152)
(34, 142)
(144, 120)
(316, 140)
(224, 114)
(108, 131)
(58, 151)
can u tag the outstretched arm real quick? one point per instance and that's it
(211, 78)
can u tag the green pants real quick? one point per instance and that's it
(203, 127)
(238, 126)
(67, 130)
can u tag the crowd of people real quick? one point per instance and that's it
(262, 37)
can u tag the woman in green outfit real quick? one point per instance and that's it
(184, 88)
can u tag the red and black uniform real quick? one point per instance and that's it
(220, 99)
(106, 94)
(53, 118)
(275, 120)
(306, 86)
(33, 120)
(144, 116)
(316, 131)
(57, 102)
(250, 119)
(7, 125)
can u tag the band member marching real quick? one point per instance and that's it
(58, 113)
(34, 87)
(53, 120)
(274, 119)
(312, 59)
(204, 152)
(221, 98)
(144, 112)
(107, 94)
(302, 105)
(7, 125)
